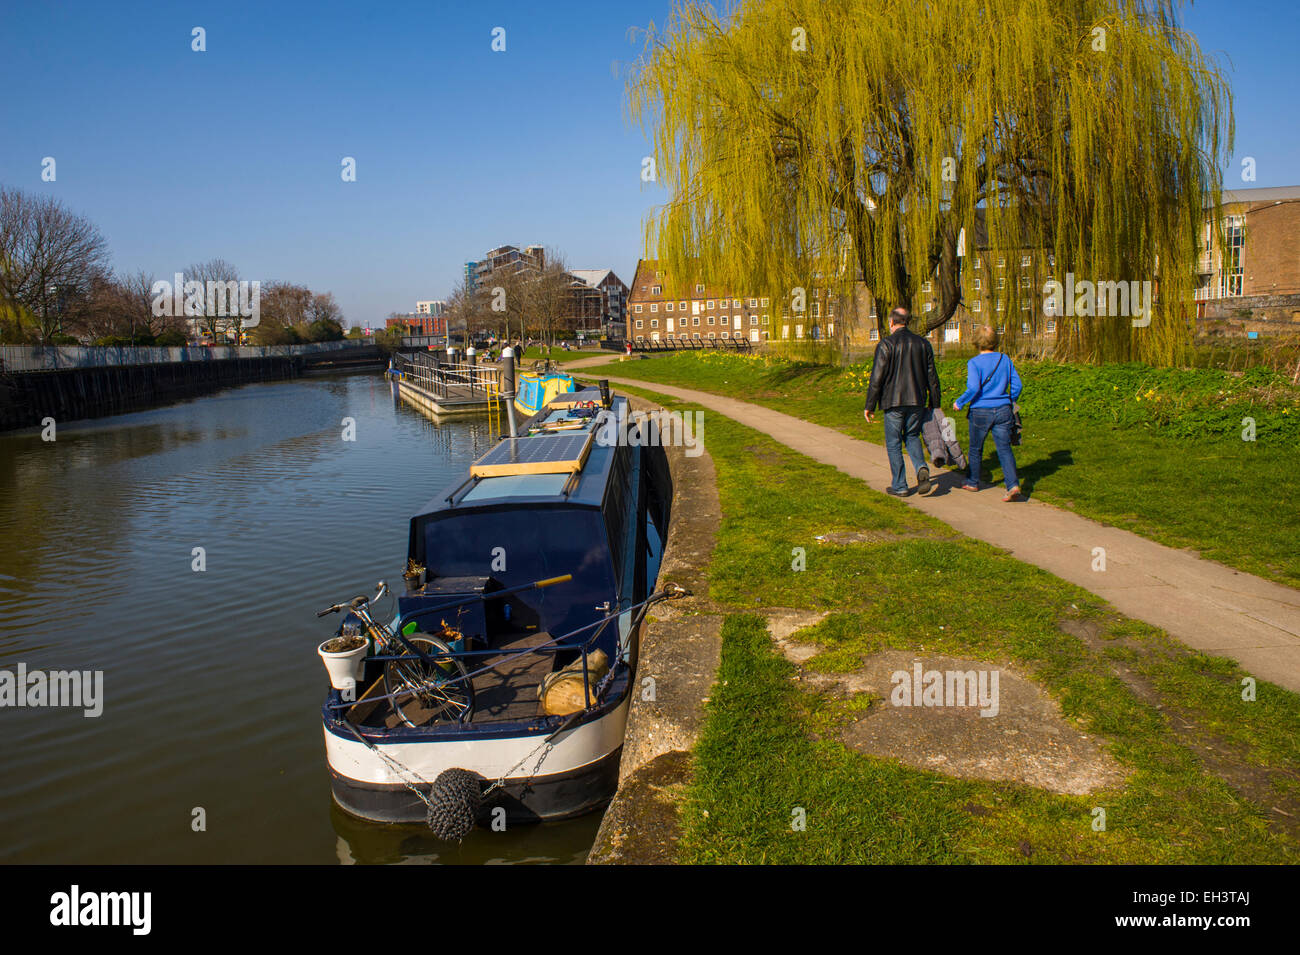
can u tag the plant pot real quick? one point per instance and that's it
(345, 667)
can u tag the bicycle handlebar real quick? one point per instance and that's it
(358, 602)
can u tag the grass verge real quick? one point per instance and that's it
(1205, 771)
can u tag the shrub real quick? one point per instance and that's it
(171, 338)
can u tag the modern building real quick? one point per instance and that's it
(435, 307)
(506, 259)
(1260, 251)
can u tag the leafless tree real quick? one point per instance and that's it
(548, 298)
(501, 304)
(49, 258)
(323, 308)
(217, 270)
(284, 309)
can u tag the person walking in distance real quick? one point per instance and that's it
(904, 383)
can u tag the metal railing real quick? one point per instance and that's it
(680, 344)
(592, 695)
(443, 380)
(15, 358)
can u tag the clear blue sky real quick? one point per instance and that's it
(235, 153)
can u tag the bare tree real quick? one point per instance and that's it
(502, 303)
(218, 270)
(465, 309)
(323, 308)
(49, 257)
(284, 310)
(548, 297)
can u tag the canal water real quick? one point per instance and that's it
(211, 683)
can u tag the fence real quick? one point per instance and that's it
(15, 358)
(680, 344)
(445, 381)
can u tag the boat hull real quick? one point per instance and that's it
(578, 775)
(548, 797)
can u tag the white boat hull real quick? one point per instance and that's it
(578, 773)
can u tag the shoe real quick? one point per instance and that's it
(969, 487)
(1013, 494)
(892, 493)
(923, 485)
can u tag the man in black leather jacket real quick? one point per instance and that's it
(905, 383)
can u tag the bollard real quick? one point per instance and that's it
(508, 385)
(470, 355)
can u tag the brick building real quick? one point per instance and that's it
(419, 323)
(1260, 254)
(709, 311)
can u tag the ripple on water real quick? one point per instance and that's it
(212, 685)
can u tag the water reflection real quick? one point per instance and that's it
(564, 843)
(211, 680)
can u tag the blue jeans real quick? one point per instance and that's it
(998, 421)
(903, 424)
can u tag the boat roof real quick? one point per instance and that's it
(529, 486)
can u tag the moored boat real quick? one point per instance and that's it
(534, 390)
(499, 688)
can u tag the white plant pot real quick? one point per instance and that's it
(344, 668)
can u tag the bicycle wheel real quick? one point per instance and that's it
(426, 692)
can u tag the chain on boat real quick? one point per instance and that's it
(453, 815)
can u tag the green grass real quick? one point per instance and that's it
(1157, 452)
(770, 747)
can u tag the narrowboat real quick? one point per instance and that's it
(526, 589)
(535, 389)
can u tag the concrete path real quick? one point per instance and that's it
(1202, 603)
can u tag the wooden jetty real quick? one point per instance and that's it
(442, 388)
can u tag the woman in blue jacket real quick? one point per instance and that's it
(992, 385)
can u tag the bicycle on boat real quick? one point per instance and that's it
(423, 675)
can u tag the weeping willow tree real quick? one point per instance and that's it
(830, 142)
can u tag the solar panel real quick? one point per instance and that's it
(542, 454)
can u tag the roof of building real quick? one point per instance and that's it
(592, 277)
(1265, 194)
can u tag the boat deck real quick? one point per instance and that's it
(508, 692)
